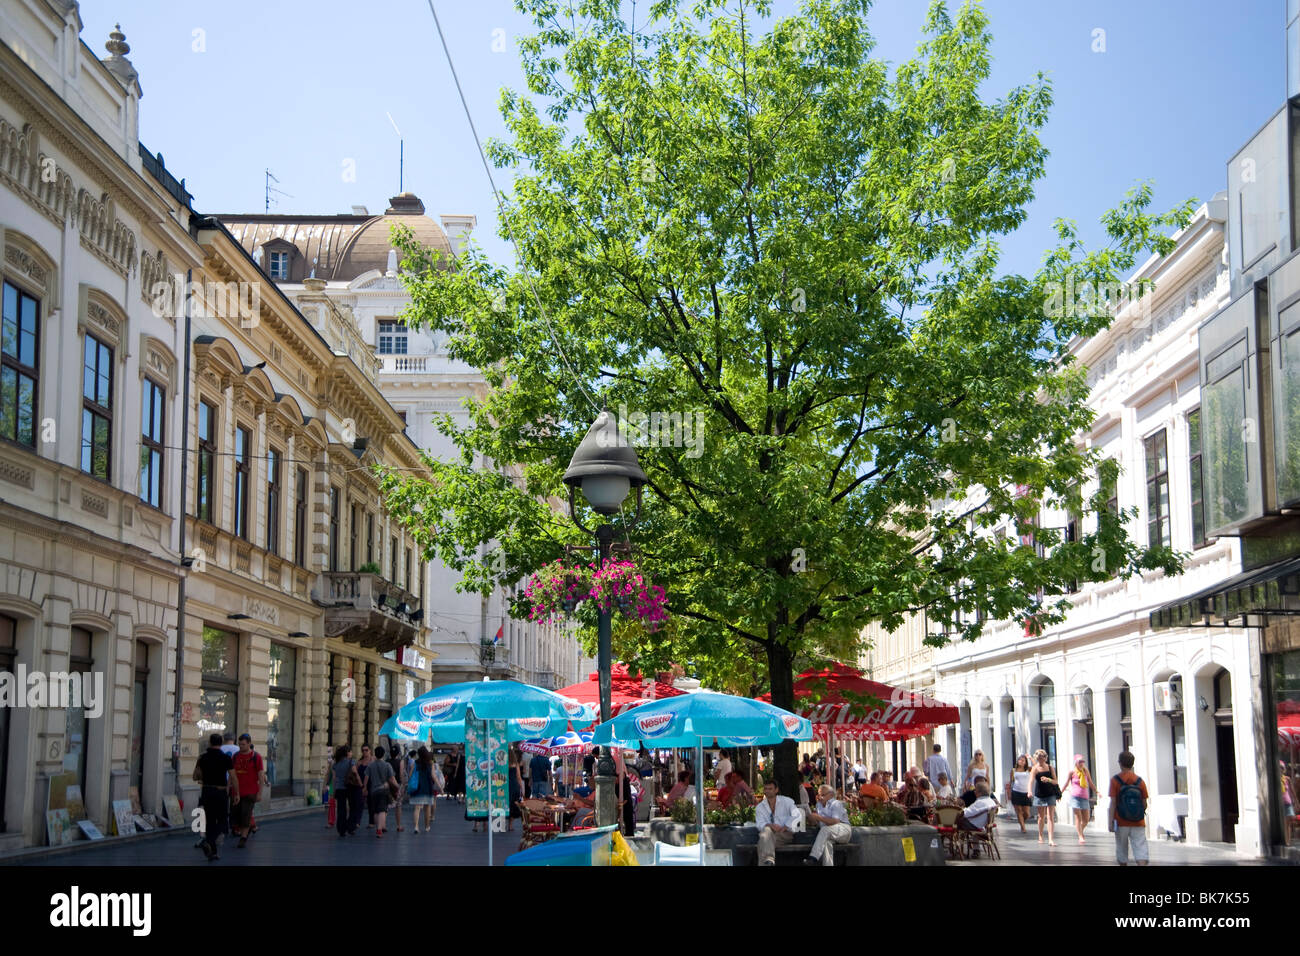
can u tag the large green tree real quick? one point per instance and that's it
(759, 225)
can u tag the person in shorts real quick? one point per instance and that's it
(1044, 789)
(380, 784)
(1128, 801)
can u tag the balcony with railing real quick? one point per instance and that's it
(404, 364)
(365, 609)
(495, 658)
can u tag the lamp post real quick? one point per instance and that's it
(605, 467)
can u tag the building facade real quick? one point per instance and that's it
(187, 494)
(342, 272)
(1182, 699)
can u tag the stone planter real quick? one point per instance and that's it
(883, 846)
(715, 837)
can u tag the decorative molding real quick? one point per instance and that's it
(262, 611)
(16, 474)
(94, 504)
(27, 265)
(34, 176)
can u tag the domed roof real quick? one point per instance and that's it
(368, 247)
(336, 248)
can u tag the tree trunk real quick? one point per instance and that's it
(780, 665)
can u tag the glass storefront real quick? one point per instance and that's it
(1285, 684)
(77, 724)
(279, 719)
(8, 652)
(139, 707)
(219, 690)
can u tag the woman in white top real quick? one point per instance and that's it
(977, 764)
(1018, 787)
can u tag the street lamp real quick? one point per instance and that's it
(605, 467)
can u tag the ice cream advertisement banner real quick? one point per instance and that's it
(486, 765)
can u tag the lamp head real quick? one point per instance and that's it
(605, 466)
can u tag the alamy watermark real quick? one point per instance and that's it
(1085, 298)
(55, 689)
(659, 430)
(232, 301)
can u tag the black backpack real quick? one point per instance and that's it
(1130, 806)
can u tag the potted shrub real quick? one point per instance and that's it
(682, 811)
(369, 568)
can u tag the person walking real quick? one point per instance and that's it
(380, 784)
(975, 769)
(346, 782)
(1128, 810)
(1078, 794)
(936, 765)
(1018, 787)
(401, 773)
(1045, 790)
(216, 772)
(367, 758)
(423, 792)
(515, 781)
(539, 769)
(250, 777)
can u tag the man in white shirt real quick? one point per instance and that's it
(834, 820)
(859, 772)
(721, 767)
(775, 817)
(936, 764)
(976, 816)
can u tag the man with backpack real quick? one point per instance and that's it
(1128, 810)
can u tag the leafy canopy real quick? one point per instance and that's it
(759, 226)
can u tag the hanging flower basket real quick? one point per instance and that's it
(557, 589)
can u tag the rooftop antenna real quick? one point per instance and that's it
(401, 151)
(270, 178)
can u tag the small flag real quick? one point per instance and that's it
(497, 639)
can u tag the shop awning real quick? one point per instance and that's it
(1246, 599)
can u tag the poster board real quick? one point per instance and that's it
(123, 818)
(76, 806)
(172, 807)
(486, 766)
(90, 830)
(58, 828)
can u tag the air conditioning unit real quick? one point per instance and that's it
(1081, 707)
(1168, 697)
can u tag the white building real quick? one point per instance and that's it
(1103, 681)
(341, 271)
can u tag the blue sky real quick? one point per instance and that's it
(234, 87)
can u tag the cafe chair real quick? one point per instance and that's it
(946, 818)
(538, 823)
(974, 840)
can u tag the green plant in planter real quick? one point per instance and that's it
(682, 811)
(369, 568)
(885, 815)
(730, 816)
(858, 818)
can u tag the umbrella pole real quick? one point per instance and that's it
(699, 791)
(491, 768)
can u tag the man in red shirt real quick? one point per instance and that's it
(250, 775)
(1128, 803)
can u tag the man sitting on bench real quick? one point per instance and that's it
(834, 820)
(775, 817)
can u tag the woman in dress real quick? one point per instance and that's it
(424, 794)
(1044, 791)
(1018, 787)
(1078, 794)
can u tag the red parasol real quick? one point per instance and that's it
(626, 690)
(828, 697)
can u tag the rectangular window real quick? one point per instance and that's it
(1194, 462)
(243, 449)
(419, 579)
(207, 461)
(97, 409)
(300, 520)
(151, 443)
(280, 266)
(334, 528)
(219, 683)
(273, 469)
(354, 551)
(19, 366)
(370, 538)
(77, 721)
(392, 561)
(408, 571)
(1157, 490)
(392, 337)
